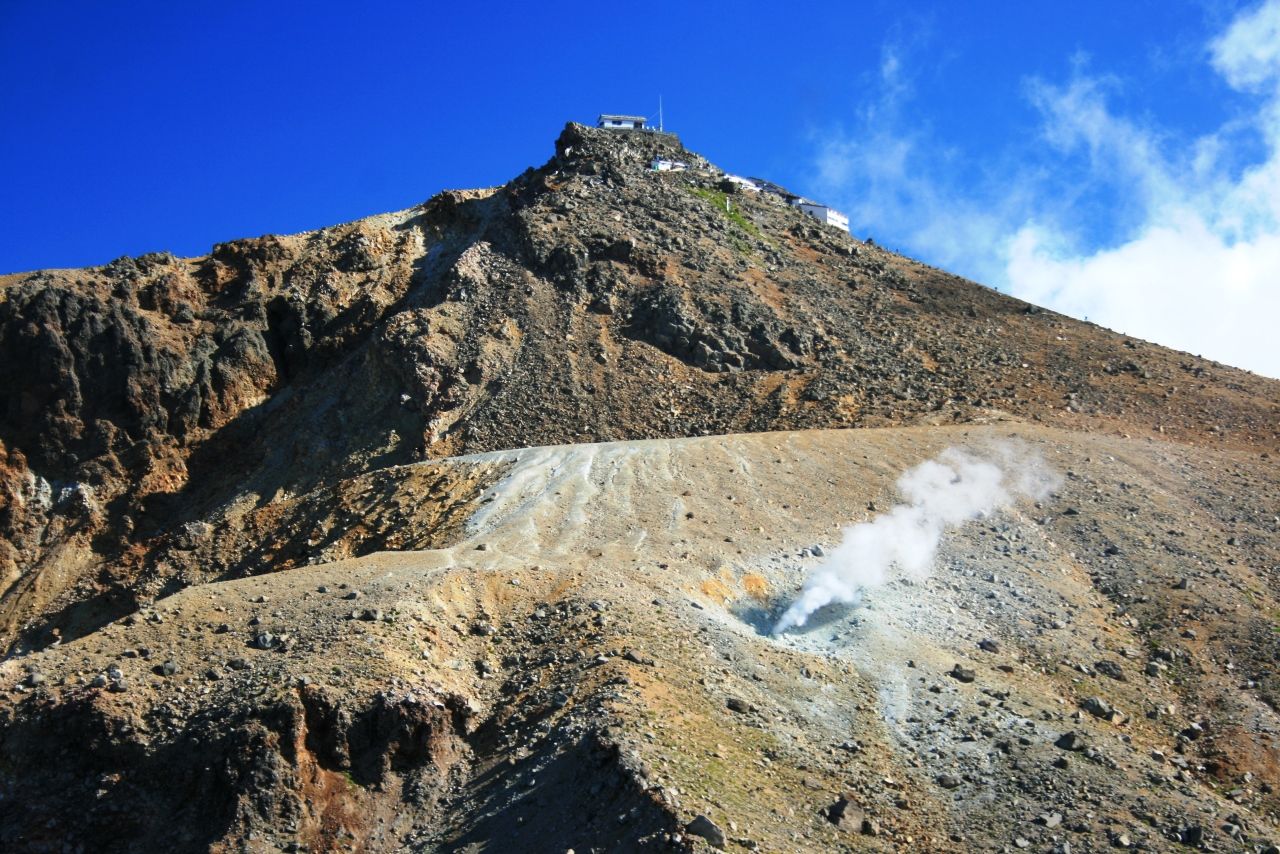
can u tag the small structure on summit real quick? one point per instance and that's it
(662, 164)
(822, 213)
(776, 189)
(612, 122)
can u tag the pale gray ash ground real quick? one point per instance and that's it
(465, 528)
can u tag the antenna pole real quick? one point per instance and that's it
(660, 127)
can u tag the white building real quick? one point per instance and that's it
(823, 214)
(660, 164)
(621, 122)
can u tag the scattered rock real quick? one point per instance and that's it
(1192, 835)
(1111, 670)
(962, 674)
(1070, 741)
(707, 829)
(1098, 707)
(850, 817)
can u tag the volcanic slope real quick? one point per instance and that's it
(585, 664)
(281, 569)
(152, 403)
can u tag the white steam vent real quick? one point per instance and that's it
(950, 489)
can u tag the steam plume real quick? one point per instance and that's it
(941, 493)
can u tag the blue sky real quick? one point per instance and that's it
(1112, 160)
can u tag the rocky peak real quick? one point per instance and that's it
(590, 298)
(458, 607)
(585, 150)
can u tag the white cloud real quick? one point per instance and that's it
(1115, 219)
(1178, 283)
(1200, 271)
(1248, 53)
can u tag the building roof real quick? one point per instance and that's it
(776, 189)
(609, 117)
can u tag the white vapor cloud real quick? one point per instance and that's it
(1190, 254)
(940, 493)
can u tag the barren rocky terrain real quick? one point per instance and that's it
(463, 528)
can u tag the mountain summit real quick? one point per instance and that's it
(462, 527)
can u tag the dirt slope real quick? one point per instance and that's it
(558, 673)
